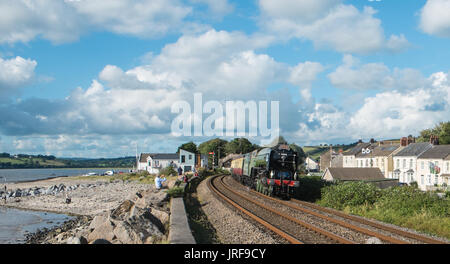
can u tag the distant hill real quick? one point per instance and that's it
(314, 152)
(25, 161)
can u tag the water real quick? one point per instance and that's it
(20, 175)
(15, 223)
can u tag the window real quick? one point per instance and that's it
(398, 164)
(448, 166)
(422, 179)
(183, 158)
(367, 163)
(435, 179)
(422, 165)
(190, 156)
(404, 163)
(411, 163)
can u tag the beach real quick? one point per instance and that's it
(89, 197)
(93, 196)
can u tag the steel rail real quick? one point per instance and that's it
(336, 221)
(295, 220)
(277, 231)
(371, 223)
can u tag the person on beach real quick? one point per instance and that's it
(159, 180)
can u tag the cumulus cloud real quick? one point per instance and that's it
(353, 75)
(329, 25)
(15, 73)
(138, 100)
(387, 114)
(435, 19)
(65, 21)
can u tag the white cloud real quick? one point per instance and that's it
(329, 25)
(65, 21)
(353, 75)
(388, 114)
(435, 18)
(15, 73)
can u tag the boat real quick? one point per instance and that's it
(91, 174)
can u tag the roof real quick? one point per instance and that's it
(379, 151)
(384, 150)
(436, 152)
(414, 149)
(356, 174)
(159, 156)
(356, 149)
(143, 157)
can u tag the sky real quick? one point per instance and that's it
(94, 78)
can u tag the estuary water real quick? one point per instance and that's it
(20, 175)
(15, 223)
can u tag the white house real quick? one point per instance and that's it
(153, 163)
(380, 156)
(405, 162)
(349, 157)
(311, 165)
(188, 160)
(433, 168)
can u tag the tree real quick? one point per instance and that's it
(216, 145)
(444, 135)
(190, 146)
(442, 130)
(239, 146)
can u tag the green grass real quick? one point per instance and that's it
(404, 206)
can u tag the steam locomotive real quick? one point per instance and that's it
(271, 171)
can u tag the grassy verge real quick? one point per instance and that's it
(404, 206)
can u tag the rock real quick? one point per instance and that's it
(73, 240)
(98, 221)
(104, 231)
(151, 198)
(162, 216)
(76, 240)
(125, 234)
(122, 212)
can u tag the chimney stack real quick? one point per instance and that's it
(404, 142)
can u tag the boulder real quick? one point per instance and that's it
(151, 198)
(104, 231)
(162, 216)
(98, 221)
(126, 234)
(122, 212)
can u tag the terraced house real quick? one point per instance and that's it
(405, 162)
(433, 168)
(379, 156)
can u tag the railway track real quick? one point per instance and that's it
(355, 224)
(284, 225)
(323, 211)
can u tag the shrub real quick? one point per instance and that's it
(341, 195)
(168, 171)
(408, 200)
(176, 192)
(310, 188)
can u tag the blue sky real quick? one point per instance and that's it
(93, 78)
